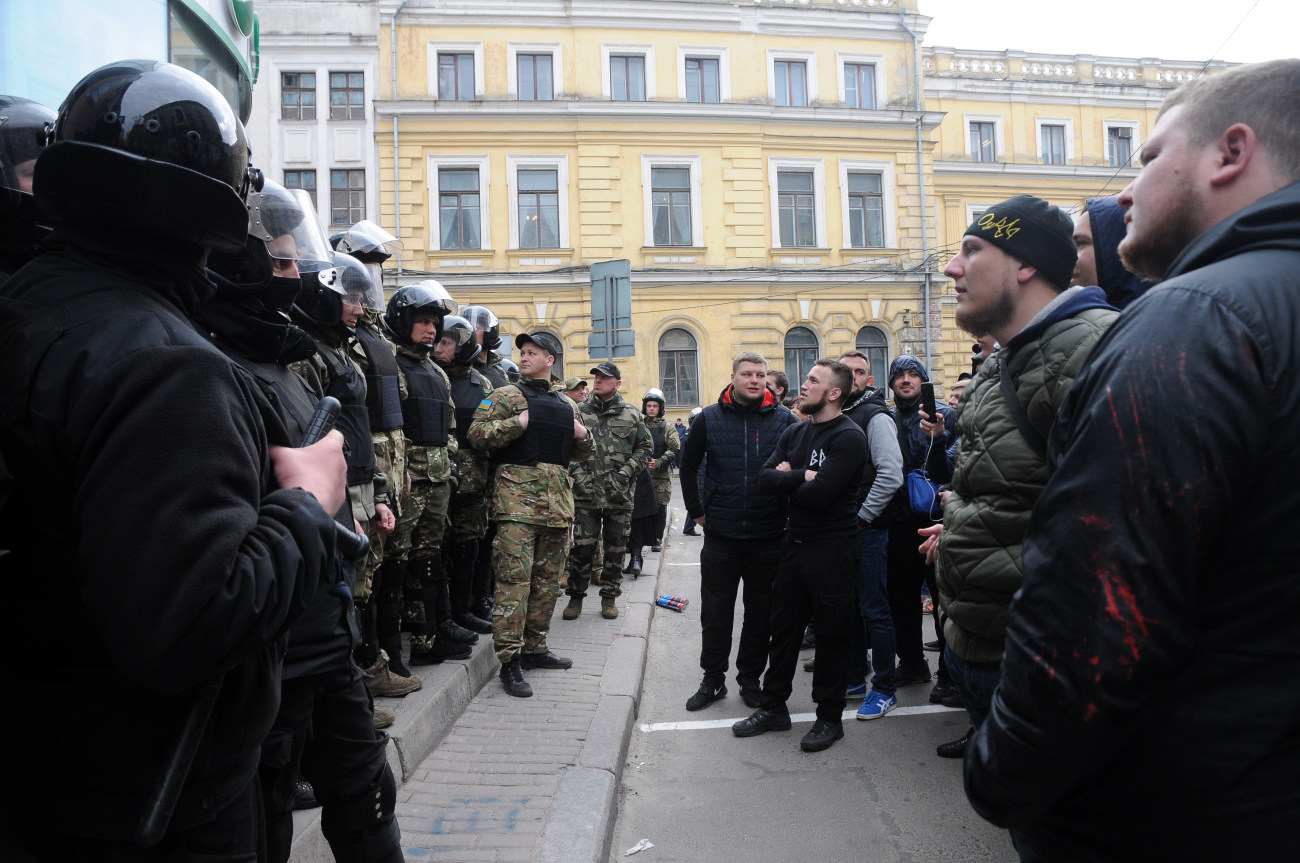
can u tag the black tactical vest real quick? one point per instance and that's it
(495, 375)
(348, 386)
(466, 393)
(658, 439)
(426, 410)
(549, 436)
(383, 393)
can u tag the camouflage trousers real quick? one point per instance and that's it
(366, 575)
(529, 562)
(611, 527)
(467, 517)
(418, 537)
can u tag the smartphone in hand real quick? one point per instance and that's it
(927, 400)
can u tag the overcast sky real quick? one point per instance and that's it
(1167, 29)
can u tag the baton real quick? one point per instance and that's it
(352, 546)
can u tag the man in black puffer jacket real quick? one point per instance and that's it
(149, 509)
(1149, 707)
(743, 526)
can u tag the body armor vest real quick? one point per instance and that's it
(426, 410)
(658, 439)
(466, 392)
(383, 394)
(549, 436)
(348, 386)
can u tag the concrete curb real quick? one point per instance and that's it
(580, 825)
(423, 718)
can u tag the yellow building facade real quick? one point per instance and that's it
(788, 178)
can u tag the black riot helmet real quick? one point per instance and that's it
(461, 332)
(149, 147)
(486, 323)
(654, 394)
(511, 370)
(323, 294)
(407, 305)
(25, 128)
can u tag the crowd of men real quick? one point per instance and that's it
(1110, 550)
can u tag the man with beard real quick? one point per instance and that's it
(817, 466)
(1098, 231)
(881, 479)
(1151, 676)
(1010, 276)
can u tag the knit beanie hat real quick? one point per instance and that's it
(1033, 231)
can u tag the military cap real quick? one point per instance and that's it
(607, 369)
(543, 340)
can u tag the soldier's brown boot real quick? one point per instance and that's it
(608, 607)
(384, 717)
(381, 681)
(574, 608)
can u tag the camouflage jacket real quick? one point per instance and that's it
(662, 473)
(542, 494)
(432, 463)
(623, 447)
(390, 446)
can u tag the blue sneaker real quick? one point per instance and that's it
(857, 691)
(876, 705)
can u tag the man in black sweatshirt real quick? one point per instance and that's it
(818, 466)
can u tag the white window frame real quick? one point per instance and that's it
(610, 49)
(1135, 141)
(877, 60)
(702, 51)
(999, 142)
(482, 162)
(1039, 123)
(809, 59)
(558, 163)
(886, 172)
(818, 167)
(555, 49)
(666, 160)
(972, 210)
(435, 48)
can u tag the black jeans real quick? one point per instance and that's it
(907, 570)
(724, 564)
(325, 733)
(815, 576)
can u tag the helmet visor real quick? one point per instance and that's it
(366, 236)
(286, 220)
(374, 298)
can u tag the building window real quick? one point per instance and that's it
(872, 342)
(535, 81)
(456, 77)
(860, 85)
(1053, 144)
(679, 375)
(539, 208)
(702, 82)
(627, 77)
(800, 354)
(866, 211)
(670, 202)
(347, 96)
(347, 197)
(1119, 146)
(298, 96)
(458, 208)
(791, 83)
(982, 142)
(796, 209)
(558, 369)
(305, 180)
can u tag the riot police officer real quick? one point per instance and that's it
(24, 128)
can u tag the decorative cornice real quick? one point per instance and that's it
(1022, 169)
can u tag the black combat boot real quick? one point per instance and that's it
(512, 678)
(388, 603)
(448, 629)
(634, 568)
(462, 588)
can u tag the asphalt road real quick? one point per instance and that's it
(702, 795)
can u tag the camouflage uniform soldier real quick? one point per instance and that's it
(602, 490)
(329, 307)
(414, 323)
(532, 432)
(487, 331)
(467, 512)
(649, 530)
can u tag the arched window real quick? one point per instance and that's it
(679, 368)
(558, 369)
(872, 342)
(801, 352)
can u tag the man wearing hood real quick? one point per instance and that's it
(925, 443)
(1097, 234)
(743, 527)
(1011, 276)
(1151, 675)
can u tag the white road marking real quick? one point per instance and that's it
(707, 724)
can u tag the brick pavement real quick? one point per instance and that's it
(534, 779)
